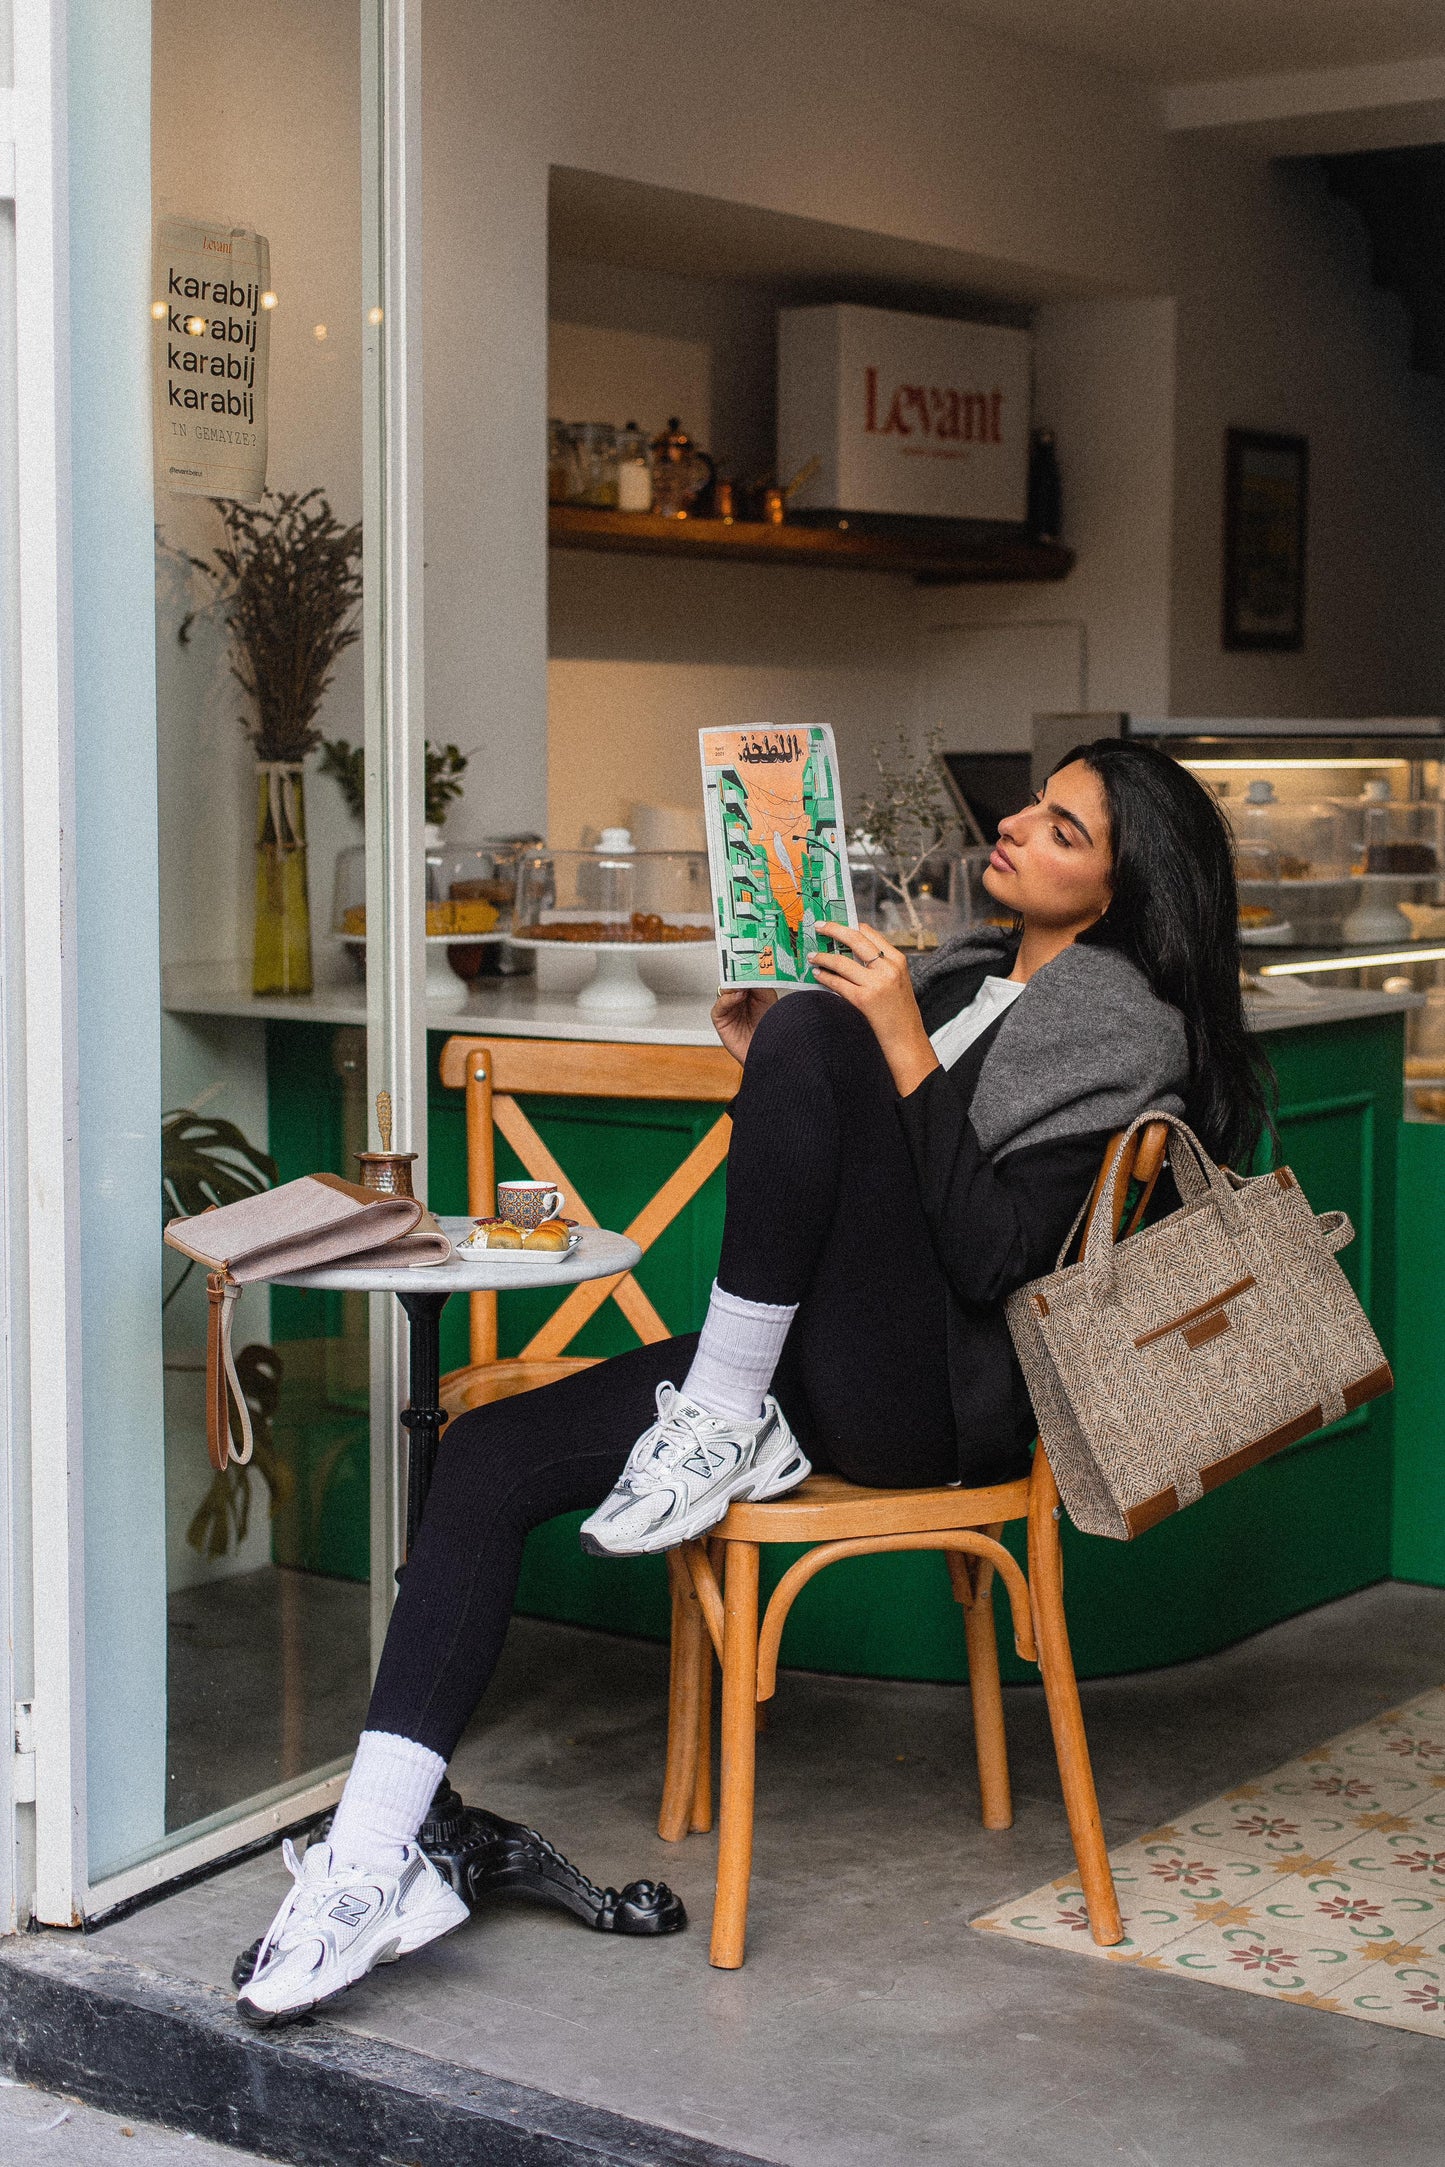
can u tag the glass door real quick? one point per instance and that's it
(247, 712)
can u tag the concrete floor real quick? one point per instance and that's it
(268, 1674)
(44, 2129)
(870, 2025)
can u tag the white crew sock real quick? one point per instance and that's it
(737, 1354)
(392, 1782)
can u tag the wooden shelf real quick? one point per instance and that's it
(936, 558)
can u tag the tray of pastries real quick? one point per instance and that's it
(554, 1237)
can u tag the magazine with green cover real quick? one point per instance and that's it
(776, 849)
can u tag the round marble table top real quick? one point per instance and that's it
(598, 1255)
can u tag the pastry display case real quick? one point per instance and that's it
(471, 893)
(616, 904)
(1340, 849)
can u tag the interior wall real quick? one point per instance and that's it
(1280, 328)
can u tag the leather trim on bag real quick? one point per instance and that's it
(1140, 1518)
(1143, 1516)
(1210, 1327)
(1191, 1316)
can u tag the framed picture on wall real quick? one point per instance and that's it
(1266, 485)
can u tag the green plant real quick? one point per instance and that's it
(908, 820)
(287, 586)
(346, 765)
(445, 767)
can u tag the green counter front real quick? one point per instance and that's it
(1356, 1504)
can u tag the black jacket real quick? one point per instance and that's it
(995, 1223)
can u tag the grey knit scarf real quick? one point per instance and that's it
(1087, 1045)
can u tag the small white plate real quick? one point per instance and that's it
(520, 1256)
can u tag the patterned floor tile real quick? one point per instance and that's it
(1056, 1917)
(1320, 1883)
(1409, 1996)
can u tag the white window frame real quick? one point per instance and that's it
(43, 1847)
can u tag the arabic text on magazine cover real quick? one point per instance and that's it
(776, 849)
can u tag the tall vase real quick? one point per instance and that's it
(282, 955)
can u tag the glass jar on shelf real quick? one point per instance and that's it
(559, 462)
(634, 470)
(594, 451)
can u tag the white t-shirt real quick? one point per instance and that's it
(993, 998)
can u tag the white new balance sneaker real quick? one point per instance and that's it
(337, 1924)
(685, 1471)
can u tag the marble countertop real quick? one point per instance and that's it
(531, 1008)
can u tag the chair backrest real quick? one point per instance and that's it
(495, 1072)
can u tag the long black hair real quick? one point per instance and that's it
(1174, 913)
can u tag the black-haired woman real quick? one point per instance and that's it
(904, 1155)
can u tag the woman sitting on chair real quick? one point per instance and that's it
(905, 1153)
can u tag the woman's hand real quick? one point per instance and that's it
(874, 979)
(737, 1013)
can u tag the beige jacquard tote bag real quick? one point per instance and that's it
(318, 1219)
(1161, 1365)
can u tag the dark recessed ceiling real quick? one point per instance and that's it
(1400, 195)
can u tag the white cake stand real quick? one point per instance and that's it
(445, 992)
(616, 987)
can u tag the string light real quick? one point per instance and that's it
(197, 326)
(376, 315)
(268, 299)
(319, 333)
(158, 309)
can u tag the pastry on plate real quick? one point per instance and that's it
(501, 1234)
(551, 1234)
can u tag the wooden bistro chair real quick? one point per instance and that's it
(494, 1073)
(715, 1608)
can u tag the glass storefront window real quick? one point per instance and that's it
(238, 427)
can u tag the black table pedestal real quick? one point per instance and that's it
(481, 1854)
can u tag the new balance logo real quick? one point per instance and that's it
(704, 1463)
(349, 1910)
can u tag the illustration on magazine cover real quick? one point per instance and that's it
(776, 849)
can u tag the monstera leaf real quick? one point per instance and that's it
(207, 1161)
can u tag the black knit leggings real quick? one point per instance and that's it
(822, 1210)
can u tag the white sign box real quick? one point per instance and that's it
(210, 349)
(911, 414)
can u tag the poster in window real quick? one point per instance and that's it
(211, 320)
(1265, 490)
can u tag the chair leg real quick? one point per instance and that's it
(739, 1751)
(1066, 1715)
(702, 1786)
(973, 1589)
(690, 1648)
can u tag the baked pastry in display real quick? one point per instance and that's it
(646, 928)
(501, 1234)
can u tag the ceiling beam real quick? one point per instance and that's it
(1380, 106)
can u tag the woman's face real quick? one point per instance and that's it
(1052, 862)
